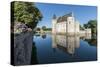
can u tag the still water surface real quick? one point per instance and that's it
(62, 48)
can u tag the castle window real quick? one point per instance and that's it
(69, 22)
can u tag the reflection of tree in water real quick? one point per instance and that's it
(37, 35)
(92, 42)
(44, 36)
(34, 54)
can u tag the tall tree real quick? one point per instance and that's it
(93, 25)
(25, 12)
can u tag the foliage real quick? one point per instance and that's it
(43, 27)
(93, 25)
(92, 42)
(25, 12)
(38, 29)
(46, 29)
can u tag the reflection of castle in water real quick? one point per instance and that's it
(67, 43)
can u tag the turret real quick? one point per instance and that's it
(70, 24)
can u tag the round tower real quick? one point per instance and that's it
(54, 21)
(70, 24)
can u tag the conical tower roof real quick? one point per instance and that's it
(54, 16)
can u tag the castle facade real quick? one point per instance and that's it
(66, 24)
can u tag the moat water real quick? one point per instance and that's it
(46, 48)
(62, 48)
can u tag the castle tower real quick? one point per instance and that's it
(54, 21)
(70, 24)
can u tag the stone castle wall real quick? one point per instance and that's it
(69, 26)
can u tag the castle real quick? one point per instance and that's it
(67, 24)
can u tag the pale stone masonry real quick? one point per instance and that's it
(67, 24)
(66, 43)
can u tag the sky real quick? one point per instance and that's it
(82, 13)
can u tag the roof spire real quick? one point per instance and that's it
(54, 16)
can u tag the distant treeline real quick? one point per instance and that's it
(44, 28)
(48, 29)
(91, 24)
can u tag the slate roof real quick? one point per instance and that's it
(64, 18)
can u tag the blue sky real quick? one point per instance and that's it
(82, 13)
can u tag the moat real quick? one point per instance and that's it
(62, 48)
(48, 48)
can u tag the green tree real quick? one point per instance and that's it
(86, 25)
(25, 12)
(38, 29)
(93, 25)
(44, 27)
